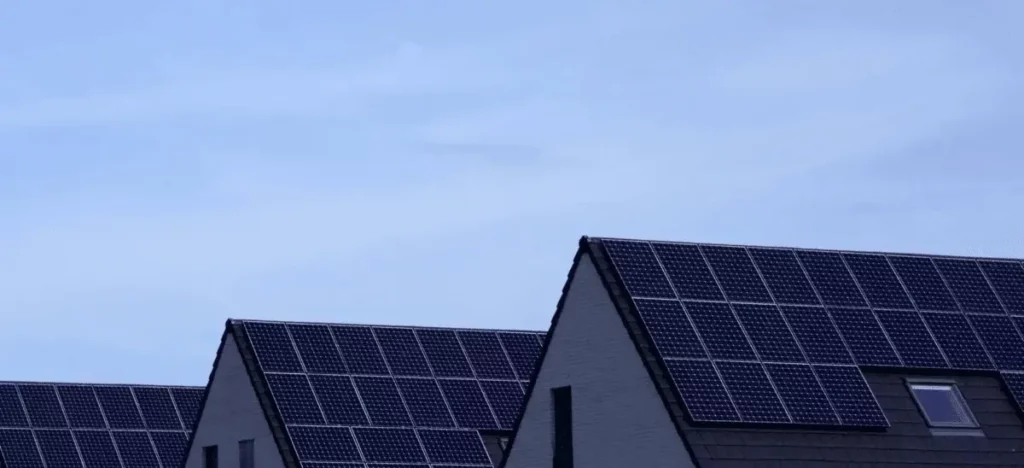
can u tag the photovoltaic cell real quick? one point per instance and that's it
(736, 273)
(922, 280)
(461, 447)
(1006, 278)
(81, 407)
(785, 277)
(43, 407)
(119, 406)
(338, 400)
(327, 444)
(956, 338)
(505, 397)
(485, 354)
(802, 394)
(294, 398)
(273, 347)
(58, 448)
(317, 349)
(157, 409)
(831, 279)
(383, 402)
(719, 330)
(389, 445)
(865, 338)
(752, 392)
(444, 353)
(98, 449)
(12, 413)
(912, 340)
(136, 449)
(170, 447)
(701, 390)
(851, 396)
(188, 401)
(1014, 382)
(426, 405)
(360, 351)
(878, 281)
(1000, 337)
(670, 328)
(816, 333)
(402, 351)
(523, 351)
(467, 403)
(969, 285)
(769, 333)
(20, 449)
(688, 272)
(638, 268)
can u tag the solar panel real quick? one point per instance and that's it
(274, 349)
(752, 392)
(76, 425)
(736, 274)
(170, 446)
(670, 328)
(381, 396)
(814, 330)
(720, 331)
(769, 333)
(839, 310)
(702, 391)
(1006, 279)
(802, 394)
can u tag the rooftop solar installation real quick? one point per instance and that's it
(69, 425)
(357, 394)
(759, 335)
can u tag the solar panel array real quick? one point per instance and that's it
(65, 425)
(779, 336)
(373, 394)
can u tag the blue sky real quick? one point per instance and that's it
(167, 166)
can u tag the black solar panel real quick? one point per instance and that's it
(57, 425)
(394, 396)
(745, 338)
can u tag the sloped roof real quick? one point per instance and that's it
(779, 338)
(94, 425)
(348, 393)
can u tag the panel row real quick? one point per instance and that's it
(55, 448)
(775, 393)
(396, 402)
(363, 350)
(388, 445)
(810, 277)
(819, 335)
(40, 405)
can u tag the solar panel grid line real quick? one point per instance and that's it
(917, 309)
(746, 334)
(508, 357)
(177, 411)
(63, 411)
(476, 379)
(873, 312)
(704, 345)
(992, 284)
(799, 344)
(962, 310)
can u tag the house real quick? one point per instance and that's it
(666, 354)
(75, 425)
(318, 395)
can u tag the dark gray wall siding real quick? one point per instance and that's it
(909, 442)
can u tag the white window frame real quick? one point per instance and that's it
(958, 399)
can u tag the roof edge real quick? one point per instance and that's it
(206, 393)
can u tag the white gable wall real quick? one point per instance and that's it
(231, 414)
(619, 419)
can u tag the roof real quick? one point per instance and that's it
(340, 393)
(94, 425)
(779, 338)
